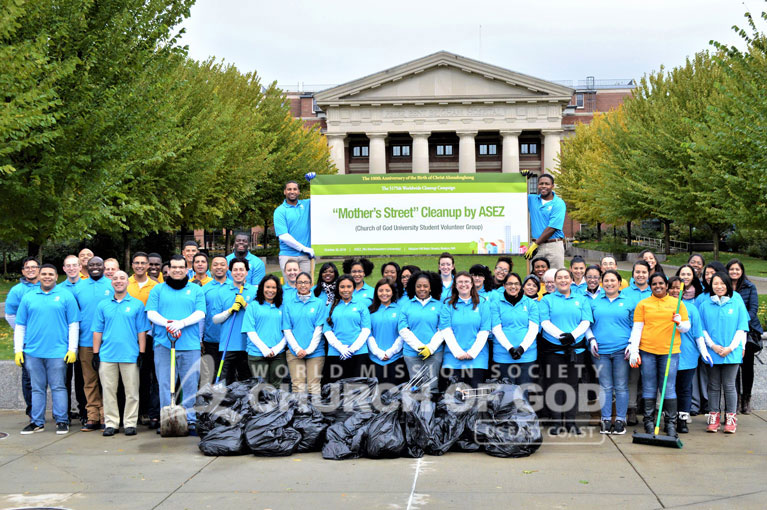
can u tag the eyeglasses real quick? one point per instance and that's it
(303, 283)
(32, 267)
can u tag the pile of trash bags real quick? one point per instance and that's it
(354, 419)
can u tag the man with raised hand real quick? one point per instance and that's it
(292, 224)
(45, 340)
(242, 250)
(547, 217)
(88, 294)
(175, 308)
(119, 341)
(30, 271)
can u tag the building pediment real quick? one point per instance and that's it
(442, 78)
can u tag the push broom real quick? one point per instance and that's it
(657, 439)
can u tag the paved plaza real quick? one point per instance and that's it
(86, 471)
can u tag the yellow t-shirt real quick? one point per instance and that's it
(656, 314)
(140, 293)
(625, 284)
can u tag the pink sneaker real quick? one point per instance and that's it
(731, 423)
(713, 422)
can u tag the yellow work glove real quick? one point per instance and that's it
(19, 357)
(70, 357)
(424, 352)
(531, 251)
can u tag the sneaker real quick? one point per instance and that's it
(730, 423)
(62, 428)
(130, 431)
(108, 432)
(713, 422)
(619, 428)
(90, 426)
(32, 428)
(606, 427)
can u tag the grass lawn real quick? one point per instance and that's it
(754, 266)
(5, 286)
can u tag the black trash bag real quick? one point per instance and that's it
(311, 424)
(510, 427)
(418, 418)
(268, 432)
(215, 407)
(343, 398)
(346, 439)
(224, 440)
(468, 440)
(386, 440)
(448, 424)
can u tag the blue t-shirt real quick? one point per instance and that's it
(580, 288)
(176, 305)
(549, 214)
(721, 322)
(349, 319)
(120, 322)
(447, 291)
(302, 319)
(69, 285)
(466, 322)
(296, 221)
(421, 319)
(212, 331)
(256, 271)
(383, 325)
(689, 354)
(632, 292)
(364, 295)
(266, 321)
(288, 292)
(47, 316)
(231, 337)
(612, 322)
(89, 293)
(515, 321)
(13, 300)
(565, 313)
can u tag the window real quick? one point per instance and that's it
(579, 100)
(444, 150)
(490, 149)
(400, 151)
(360, 151)
(528, 148)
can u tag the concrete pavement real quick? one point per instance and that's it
(87, 471)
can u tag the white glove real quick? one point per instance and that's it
(634, 357)
(704, 354)
(309, 252)
(344, 352)
(594, 348)
(176, 326)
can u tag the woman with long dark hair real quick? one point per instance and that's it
(696, 261)
(359, 269)
(483, 281)
(465, 325)
(346, 329)
(326, 286)
(385, 342)
(725, 327)
(637, 290)
(263, 325)
(649, 256)
(392, 272)
(406, 273)
(419, 327)
(747, 290)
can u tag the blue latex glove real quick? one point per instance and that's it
(309, 176)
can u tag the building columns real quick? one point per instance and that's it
(420, 152)
(337, 151)
(510, 152)
(551, 139)
(467, 158)
(377, 153)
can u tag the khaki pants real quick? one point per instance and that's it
(305, 373)
(554, 252)
(93, 405)
(110, 374)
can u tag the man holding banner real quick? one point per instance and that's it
(292, 227)
(547, 217)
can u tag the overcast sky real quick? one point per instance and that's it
(322, 43)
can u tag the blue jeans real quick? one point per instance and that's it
(613, 374)
(653, 369)
(684, 380)
(187, 369)
(433, 363)
(26, 388)
(44, 372)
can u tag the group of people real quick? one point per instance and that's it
(227, 319)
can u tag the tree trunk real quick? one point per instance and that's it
(689, 246)
(226, 240)
(5, 264)
(628, 233)
(599, 231)
(667, 237)
(716, 243)
(126, 251)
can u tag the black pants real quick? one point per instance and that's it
(235, 366)
(336, 369)
(393, 373)
(745, 380)
(472, 377)
(76, 370)
(557, 369)
(148, 389)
